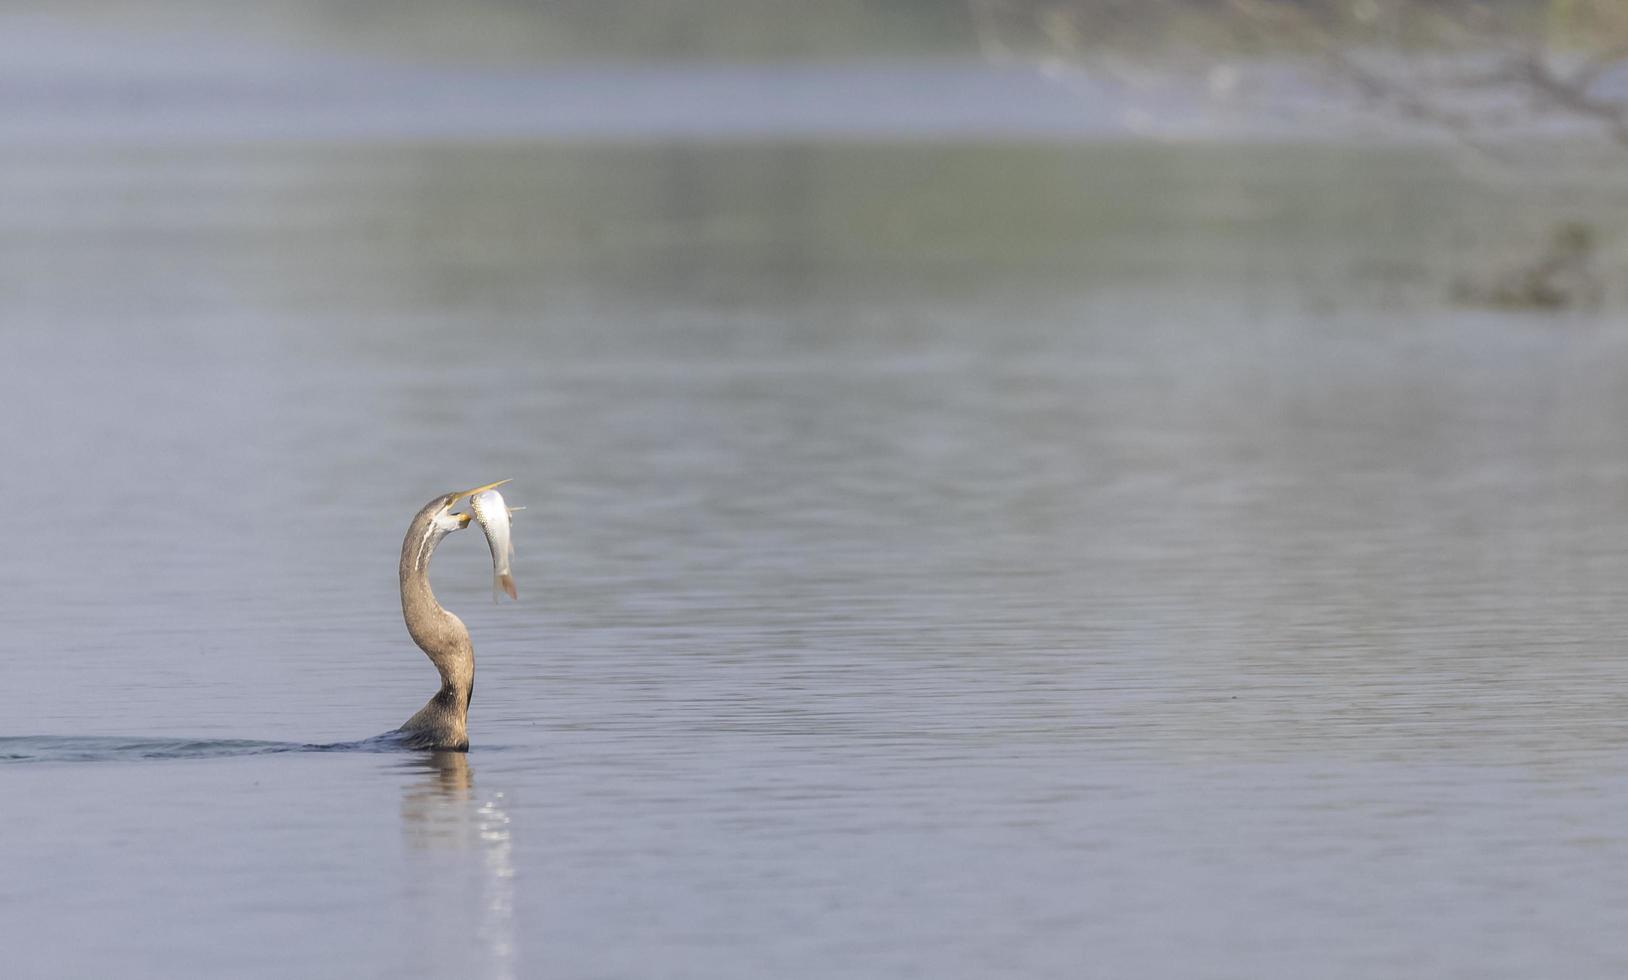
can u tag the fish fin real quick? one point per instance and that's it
(507, 581)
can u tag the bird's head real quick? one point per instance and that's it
(442, 516)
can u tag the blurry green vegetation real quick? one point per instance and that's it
(496, 32)
(1094, 213)
(1264, 27)
(529, 229)
(522, 31)
(1530, 90)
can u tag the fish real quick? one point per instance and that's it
(493, 515)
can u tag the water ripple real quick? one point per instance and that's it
(73, 748)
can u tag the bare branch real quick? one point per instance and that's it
(1560, 92)
(1480, 71)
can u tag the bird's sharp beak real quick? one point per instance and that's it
(470, 493)
(463, 519)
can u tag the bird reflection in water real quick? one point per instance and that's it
(461, 866)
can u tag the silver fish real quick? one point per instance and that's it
(493, 515)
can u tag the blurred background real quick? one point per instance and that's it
(1014, 488)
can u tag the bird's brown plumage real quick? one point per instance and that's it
(443, 722)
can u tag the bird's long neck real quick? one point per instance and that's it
(440, 634)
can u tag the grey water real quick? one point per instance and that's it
(940, 559)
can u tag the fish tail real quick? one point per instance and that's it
(507, 583)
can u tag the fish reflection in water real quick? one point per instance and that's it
(461, 865)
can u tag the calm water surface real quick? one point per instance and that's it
(938, 562)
